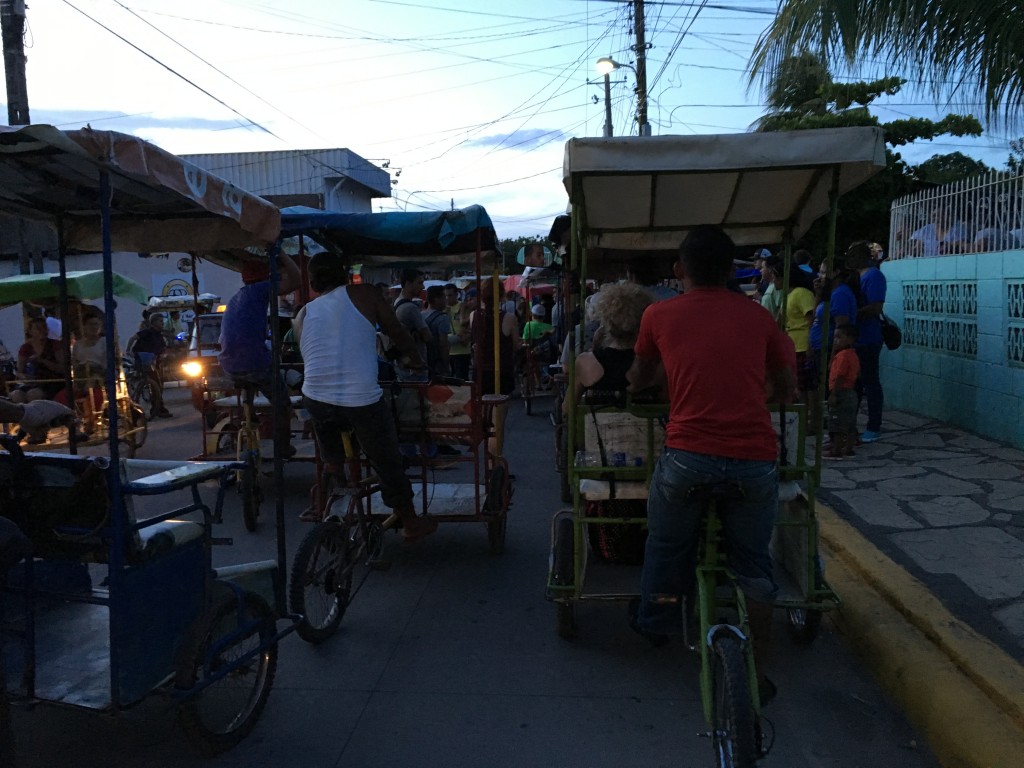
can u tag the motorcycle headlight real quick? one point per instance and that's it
(193, 369)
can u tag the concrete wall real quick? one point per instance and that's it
(962, 358)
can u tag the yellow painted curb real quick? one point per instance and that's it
(963, 692)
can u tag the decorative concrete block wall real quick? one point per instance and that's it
(962, 359)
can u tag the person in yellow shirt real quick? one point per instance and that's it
(798, 311)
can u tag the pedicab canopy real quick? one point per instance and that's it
(159, 202)
(393, 239)
(84, 285)
(646, 192)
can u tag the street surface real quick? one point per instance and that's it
(451, 658)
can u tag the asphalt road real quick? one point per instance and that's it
(451, 658)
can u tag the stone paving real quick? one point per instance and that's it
(948, 505)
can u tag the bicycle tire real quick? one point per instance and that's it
(321, 580)
(212, 735)
(250, 484)
(733, 732)
(495, 503)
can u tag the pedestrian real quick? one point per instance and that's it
(245, 355)
(458, 339)
(869, 339)
(148, 349)
(336, 333)
(842, 393)
(410, 315)
(439, 327)
(719, 352)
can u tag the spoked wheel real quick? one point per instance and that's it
(140, 425)
(563, 573)
(140, 390)
(733, 726)
(250, 484)
(496, 504)
(804, 624)
(321, 582)
(228, 637)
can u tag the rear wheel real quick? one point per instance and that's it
(228, 634)
(733, 726)
(321, 580)
(495, 504)
(563, 574)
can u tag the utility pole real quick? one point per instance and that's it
(607, 104)
(641, 68)
(12, 29)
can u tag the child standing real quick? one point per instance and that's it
(842, 397)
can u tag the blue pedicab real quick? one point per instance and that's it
(112, 606)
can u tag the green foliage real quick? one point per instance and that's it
(864, 212)
(943, 169)
(1015, 162)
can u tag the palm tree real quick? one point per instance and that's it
(957, 50)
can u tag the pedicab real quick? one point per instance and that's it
(635, 198)
(339, 552)
(159, 618)
(67, 290)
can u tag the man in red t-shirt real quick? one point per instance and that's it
(722, 354)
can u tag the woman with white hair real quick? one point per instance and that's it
(618, 308)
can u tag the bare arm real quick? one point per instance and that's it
(870, 310)
(510, 327)
(781, 385)
(290, 275)
(297, 321)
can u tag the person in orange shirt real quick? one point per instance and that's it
(842, 396)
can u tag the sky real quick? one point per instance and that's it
(465, 101)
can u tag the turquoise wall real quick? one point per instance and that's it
(962, 359)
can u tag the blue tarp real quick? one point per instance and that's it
(443, 234)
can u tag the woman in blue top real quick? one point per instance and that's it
(842, 310)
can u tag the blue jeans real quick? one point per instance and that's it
(374, 428)
(870, 386)
(674, 529)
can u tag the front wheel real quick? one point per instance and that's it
(321, 580)
(228, 636)
(249, 484)
(733, 724)
(804, 624)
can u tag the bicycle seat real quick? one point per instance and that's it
(718, 491)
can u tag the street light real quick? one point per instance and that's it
(606, 65)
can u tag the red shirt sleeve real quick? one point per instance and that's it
(646, 347)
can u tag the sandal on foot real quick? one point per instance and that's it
(418, 528)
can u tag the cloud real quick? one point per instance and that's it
(529, 139)
(125, 123)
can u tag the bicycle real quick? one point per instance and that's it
(730, 694)
(247, 443)
(321, 585)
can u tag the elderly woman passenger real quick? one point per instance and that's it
(618, 309)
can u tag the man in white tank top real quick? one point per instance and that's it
(337, 334)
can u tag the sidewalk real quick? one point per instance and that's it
(942, 622)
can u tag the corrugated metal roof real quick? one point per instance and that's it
(295, 172)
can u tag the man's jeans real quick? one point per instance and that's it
(870, 387)
(674, 528)
(374, 427)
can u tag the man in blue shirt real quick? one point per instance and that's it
(869, 338)
(244, 353)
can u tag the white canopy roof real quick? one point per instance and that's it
(645, 192)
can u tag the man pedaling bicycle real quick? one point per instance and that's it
(337, 335)
(720, 351)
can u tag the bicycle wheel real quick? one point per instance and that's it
(140, 425)
(495, 504)
(223, 713)
(733, 725)
(250, 484)
(321, 580)
(563, 573)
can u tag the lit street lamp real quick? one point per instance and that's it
(606, 65)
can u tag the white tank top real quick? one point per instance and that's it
(339, 349)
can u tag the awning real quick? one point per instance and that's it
(83, 285)
(388, 239)
(646, 192)
(159, 202)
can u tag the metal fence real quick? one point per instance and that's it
(977, 215)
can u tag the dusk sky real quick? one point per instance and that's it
(468, 102)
